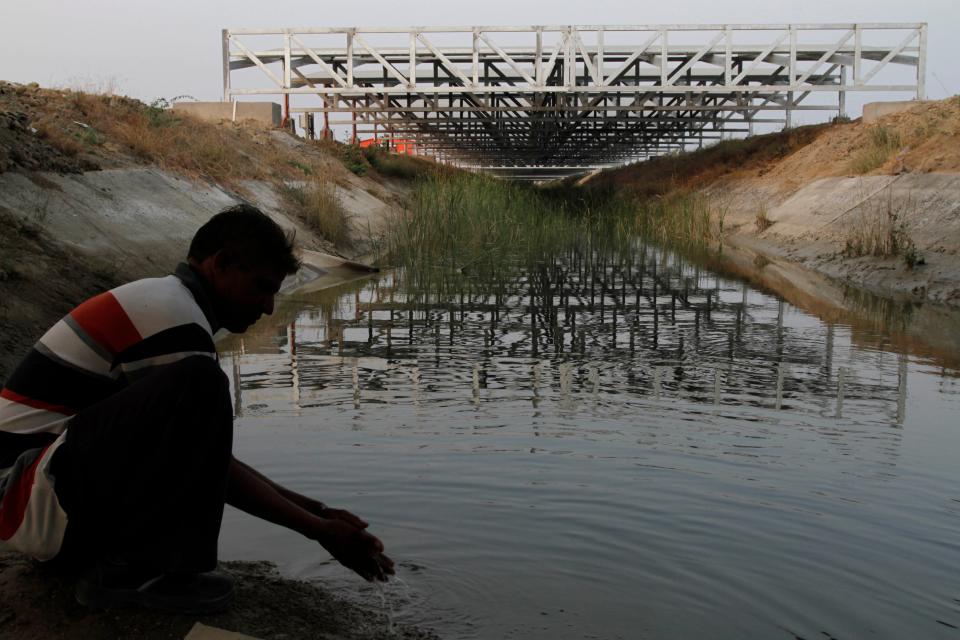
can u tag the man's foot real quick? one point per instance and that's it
(106, 587)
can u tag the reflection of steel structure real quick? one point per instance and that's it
(656, 325)
(564, 98)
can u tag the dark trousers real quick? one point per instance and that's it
(142, 475)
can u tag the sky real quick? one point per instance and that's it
(151, 50)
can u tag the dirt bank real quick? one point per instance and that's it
(98, 190)
(38, 604)
(873, 205)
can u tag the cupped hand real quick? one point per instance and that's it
(355, 549)
(343, 514)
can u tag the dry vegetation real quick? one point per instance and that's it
(66, 131)
(316, 202)
(925, 138)
(879, 228)
(882, 144)
(97, 125)
(726, 159)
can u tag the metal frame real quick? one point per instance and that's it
(547, 100)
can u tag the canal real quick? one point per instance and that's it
(611, 446)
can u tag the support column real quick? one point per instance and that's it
(307, 122)
(225, 38)
(326, 124)
(842, 97)
(789, 114)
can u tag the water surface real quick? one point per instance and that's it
(622, 448)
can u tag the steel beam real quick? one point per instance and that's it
(562, 98)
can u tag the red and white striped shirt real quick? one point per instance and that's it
(93, 352)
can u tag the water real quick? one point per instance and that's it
(639, 449)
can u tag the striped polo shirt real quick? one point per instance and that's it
(93, 352)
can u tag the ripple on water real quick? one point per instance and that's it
(667, 472)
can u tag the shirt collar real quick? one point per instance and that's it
(192, 280)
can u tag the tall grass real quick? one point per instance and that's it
(677, 219)
(395, 165)
(318, 205)
(883, 144)
(472, 225)
(879, 229)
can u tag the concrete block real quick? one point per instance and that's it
(874, 110)
(267, 113)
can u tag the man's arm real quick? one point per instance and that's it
(353, 547)
(315, 507)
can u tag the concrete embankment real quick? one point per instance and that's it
(814, 226)
(875, 204)
(70, 236)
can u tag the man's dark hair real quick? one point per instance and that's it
(245, 234)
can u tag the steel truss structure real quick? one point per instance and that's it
(543, 101)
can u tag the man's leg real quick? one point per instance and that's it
(142, 475)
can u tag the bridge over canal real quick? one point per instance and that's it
(547, 101)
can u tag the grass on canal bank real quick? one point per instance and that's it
(470, 222)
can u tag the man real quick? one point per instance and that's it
(116, 432)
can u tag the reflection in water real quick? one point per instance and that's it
(646, 448)
(660, 328)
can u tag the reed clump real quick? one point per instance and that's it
(678, 219)
(396, 165)
(883, 143)
(318, 205)
(474, 224)
(880, 230)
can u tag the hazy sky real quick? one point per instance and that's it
(165, 49)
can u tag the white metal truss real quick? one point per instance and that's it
(549, 100)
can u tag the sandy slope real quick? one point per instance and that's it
(811, 186)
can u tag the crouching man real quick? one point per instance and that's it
(116, 433)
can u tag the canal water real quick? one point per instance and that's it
(610, 448)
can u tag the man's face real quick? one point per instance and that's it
(242, 293)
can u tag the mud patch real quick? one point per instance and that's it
(38, 603)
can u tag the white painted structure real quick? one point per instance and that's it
(549, 100)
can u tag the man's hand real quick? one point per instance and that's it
(354, 548)
(342, 514)
(339, 531)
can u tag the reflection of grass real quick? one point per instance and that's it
(887, 313)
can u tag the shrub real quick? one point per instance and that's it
(762, 221)
(883, 144)
(880, 230)
(393, 165)
(317, 204)
(352, 158)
